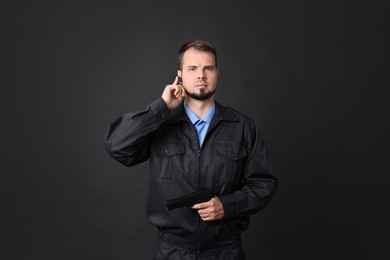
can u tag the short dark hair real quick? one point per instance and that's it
(198, 45)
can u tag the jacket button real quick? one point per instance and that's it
(166, 150)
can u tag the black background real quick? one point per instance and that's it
(312, 74)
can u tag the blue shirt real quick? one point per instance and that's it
(201, 124)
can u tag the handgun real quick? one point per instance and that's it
(202, 195)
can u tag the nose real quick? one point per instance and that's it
(201, 74)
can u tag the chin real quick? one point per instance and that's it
(201, 95)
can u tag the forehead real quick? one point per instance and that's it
(195, 57)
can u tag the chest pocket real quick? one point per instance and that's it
(167, 160)
(229, 161)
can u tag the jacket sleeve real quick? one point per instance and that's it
(128, 137)
(258, 183)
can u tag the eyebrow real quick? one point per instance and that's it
(207, 66)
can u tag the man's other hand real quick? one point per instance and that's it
(210, 210)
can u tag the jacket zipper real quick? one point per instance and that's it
(198, 218)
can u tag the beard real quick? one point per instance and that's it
(202, 95)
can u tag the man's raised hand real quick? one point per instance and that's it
(173, 94)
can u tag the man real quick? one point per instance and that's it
(192, 141)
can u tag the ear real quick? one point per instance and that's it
(179, 73)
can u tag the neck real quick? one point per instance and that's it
(199, 107)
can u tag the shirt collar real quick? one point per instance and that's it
(194, 118)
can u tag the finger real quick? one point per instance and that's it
(205, 212)
(177, 91)
(207, 218)
(176, 81)
(200, 206)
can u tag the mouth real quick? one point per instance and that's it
(201, 85)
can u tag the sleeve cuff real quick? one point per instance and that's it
(229, 206)
(159, 109)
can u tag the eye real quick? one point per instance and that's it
(209, 68)
(191, 68)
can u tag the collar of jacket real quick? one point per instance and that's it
(222, 113)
